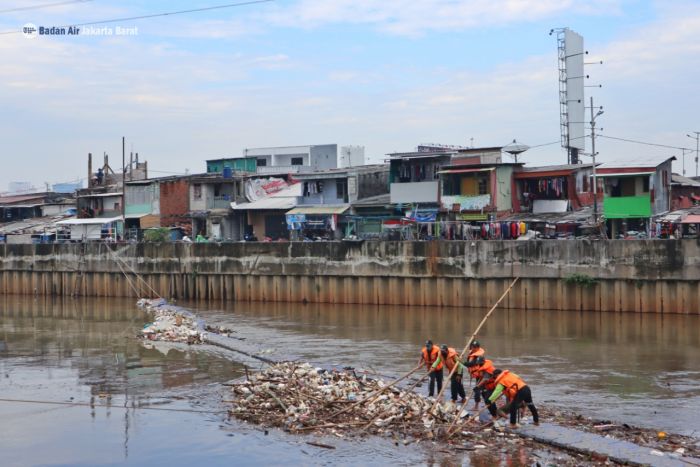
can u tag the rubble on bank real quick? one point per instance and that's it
(652, 439)
(175, 324)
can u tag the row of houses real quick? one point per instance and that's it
(303, 192)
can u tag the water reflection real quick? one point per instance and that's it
(590, 362)
(641, 369)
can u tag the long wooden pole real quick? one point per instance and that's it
(471, 339)
(376, 393)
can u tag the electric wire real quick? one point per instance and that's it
(156, 15)
(43, 5)
(627, 140)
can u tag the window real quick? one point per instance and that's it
(341, 188)
(297, 161)
(483, 186)
(645, 185)
(261, 162)
(197, 190)
(217, 189)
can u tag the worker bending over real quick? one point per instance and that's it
(482, 370)
(429, 355)
(450, 358)
(516, 392)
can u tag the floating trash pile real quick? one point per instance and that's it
(301, 398)
(171, 323)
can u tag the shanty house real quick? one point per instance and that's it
(634, 192)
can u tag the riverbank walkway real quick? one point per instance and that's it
(620, 451)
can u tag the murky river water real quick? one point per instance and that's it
(639, 369)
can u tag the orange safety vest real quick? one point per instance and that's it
(473, 355)
(450, 359)
(481, 370)
(511, 382)
(430, 359)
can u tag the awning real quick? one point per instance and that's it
(101, 195)
(543, 174)
(695, 197)
(319, 210)
(90, 221)
(622, 174)
(136, 216)
(269, 203)
(691, 219)
(464, 171)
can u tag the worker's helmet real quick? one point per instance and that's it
(497, 372)
(443, 349)
(480, 360)
(474, 344)
(428, 344)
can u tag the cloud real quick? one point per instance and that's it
(410, 17)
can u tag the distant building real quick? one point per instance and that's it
(68, 187)
(635, 191)
(326, 198)
(20, 187)
(554, 188)
(235, 164)
(351, 156)
(685, 192)
(476, 185)
(293, 159)
(211, 197)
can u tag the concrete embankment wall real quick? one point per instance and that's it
(641, 276)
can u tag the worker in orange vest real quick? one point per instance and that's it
(450, 358)
(516, 392)
(429, 355)
(482, 370)
(475, 351)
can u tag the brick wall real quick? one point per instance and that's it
(175, 203)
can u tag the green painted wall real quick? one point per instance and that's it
(241, 164)
(625, 207)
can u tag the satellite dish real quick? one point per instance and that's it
(515, 148)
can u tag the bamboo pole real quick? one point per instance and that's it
(471, 339)
(376, 393)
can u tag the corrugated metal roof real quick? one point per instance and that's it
(677, 179)
(90, 221)
(641, 162)
(462, 171)
(549, 168)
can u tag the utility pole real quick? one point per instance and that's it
(123, 181)
(697, 147)
(683, 161)
(593, 154)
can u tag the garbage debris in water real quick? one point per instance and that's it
(174, 324)
(300, 398)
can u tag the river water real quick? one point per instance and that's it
(162, 405)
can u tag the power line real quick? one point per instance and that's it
(645, 143)
(44, 5)
(156, 15)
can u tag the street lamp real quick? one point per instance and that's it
(697, 145)
(593, 154)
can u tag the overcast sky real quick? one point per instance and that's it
(386, 74)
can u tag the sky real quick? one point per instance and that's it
(384, 74)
